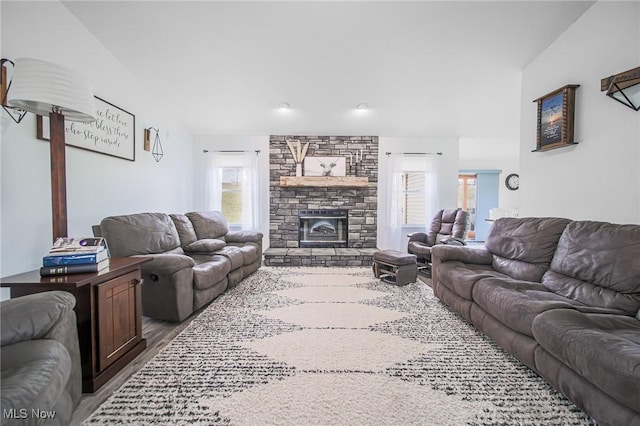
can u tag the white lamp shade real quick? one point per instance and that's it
(42, 87)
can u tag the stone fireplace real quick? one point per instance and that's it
(293, 227)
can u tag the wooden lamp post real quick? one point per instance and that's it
(48, 89)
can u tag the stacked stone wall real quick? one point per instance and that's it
(362, 203)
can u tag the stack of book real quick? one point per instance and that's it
(76, 256)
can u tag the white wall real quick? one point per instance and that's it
(598, 179)
(448, 184)
(493, 154)
(97, 185)
(222, 143)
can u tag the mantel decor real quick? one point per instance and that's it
(298, 152)
(556, 118)
(113, 133)
(324, 181)
(325, 166)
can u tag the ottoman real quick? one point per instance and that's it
(395, 267)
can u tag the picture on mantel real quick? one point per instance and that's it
(325, 166)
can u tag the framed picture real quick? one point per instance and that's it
(325, 166)
(113, 133)
(556, 118)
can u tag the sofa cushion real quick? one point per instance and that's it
(460, 277)
(207, 246)
(140, 233)
(597, 263)
(34, 373)
(517, 303)
(234, 255)
(522, 248)
(185, 229)
(249, 254)
(445, 223)
(602, 348)
(209, 224)
(208, 274)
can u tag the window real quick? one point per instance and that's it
(233, 188)
(413, 198)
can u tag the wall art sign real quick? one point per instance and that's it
(556, 112)
(113, 133)
(325, 166)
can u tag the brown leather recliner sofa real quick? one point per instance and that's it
(563, 297)
(194, 257)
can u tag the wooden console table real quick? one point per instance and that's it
(108, 310)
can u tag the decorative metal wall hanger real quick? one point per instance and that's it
(16, 114)
(157, 150)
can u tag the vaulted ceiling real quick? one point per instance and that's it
(425, 68)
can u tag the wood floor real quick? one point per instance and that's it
(158, 334)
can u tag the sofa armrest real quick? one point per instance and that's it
(46, 315)
(165, 264)
(244, 237)
(453, 241)
(418, 236)
(448, 253)
(34, 316)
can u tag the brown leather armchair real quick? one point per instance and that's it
(448, 226)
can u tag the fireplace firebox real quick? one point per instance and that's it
(323, 228)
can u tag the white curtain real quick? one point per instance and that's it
(432, 194)
(250, 192)
(213, 186)
(393, 223)
(247, 162)
(394, 234)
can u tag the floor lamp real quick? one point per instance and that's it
(48, 89)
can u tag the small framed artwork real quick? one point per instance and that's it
(556, 112)
(113, 133)
(325, 166)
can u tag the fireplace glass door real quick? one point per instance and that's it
(323, 228)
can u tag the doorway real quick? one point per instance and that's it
(477, 194)
(467, 196)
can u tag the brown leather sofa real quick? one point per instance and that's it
(194, 257)
(562, 296)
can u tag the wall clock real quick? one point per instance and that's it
(512, 181)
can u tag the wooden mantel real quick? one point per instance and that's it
(325, 181)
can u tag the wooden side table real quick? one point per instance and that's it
(108, 310)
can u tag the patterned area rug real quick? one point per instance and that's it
(324, 346)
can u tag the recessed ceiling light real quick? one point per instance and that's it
(284, 105)
(362, 107)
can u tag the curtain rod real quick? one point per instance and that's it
(413, 153)
(257, 151)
